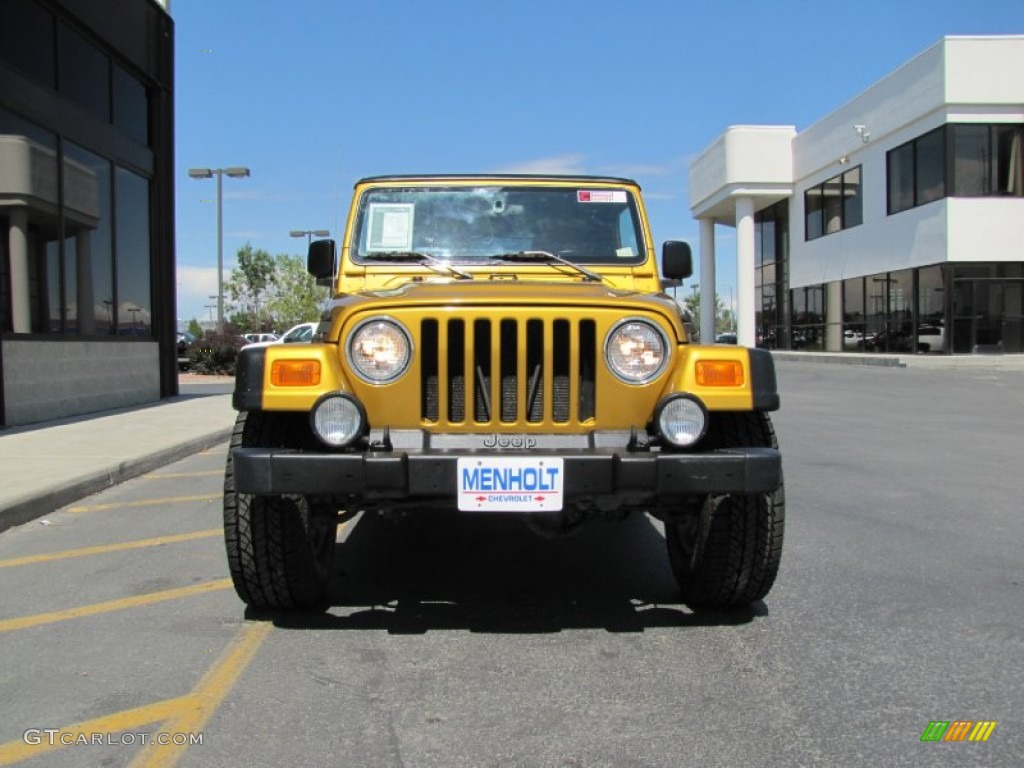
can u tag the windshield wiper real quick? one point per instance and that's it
(547, 257)
(431, 261)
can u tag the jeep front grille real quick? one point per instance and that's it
(507, 371)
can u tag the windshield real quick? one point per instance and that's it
(475, 224)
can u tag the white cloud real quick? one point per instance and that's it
(561, 164)
(197, 281)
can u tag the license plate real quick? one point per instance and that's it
(510, 483)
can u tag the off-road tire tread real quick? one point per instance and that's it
(739, 559)
(265, 536)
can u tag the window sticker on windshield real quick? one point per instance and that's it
(390, 227)
(600, 195)
(625, 253)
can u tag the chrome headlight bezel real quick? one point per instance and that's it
(673, 401)
(406, 356)
(354, 407)
(659, 335)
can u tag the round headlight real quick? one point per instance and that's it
(681, 420)
(636, 351)
(338, 419)
(379, 350)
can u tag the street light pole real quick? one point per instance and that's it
(235, 172)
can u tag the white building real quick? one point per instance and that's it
(896, 223)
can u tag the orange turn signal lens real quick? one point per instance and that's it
(295, 373)
(719, 373)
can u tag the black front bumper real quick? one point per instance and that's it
(432, 474)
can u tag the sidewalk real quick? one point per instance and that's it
(925, 362)
(49, 465)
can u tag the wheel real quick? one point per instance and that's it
(280, 548)
(728, 552)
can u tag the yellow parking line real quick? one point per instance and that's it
(17, 750)
(185, 714)
(9, 625)
(103, 548)
(146, 502)
(203, 473)
(206, 697)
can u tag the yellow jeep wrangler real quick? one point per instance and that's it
(502, 345)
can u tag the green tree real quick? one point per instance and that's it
(195, 328)
(296, 297)
(723, 318)
(249, 289)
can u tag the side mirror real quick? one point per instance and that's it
(321, 260)
(676, 260)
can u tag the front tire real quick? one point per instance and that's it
(280, 548)
(728, 553)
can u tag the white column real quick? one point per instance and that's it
(745, 326)
(17, 239)
(707, 281)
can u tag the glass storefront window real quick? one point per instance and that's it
(901, 313)
(87, 241)
(34, 148)
(134, 310)
(853, 314)
(931, 309)
(768, 241)
(876, 304)
(808, 318)
(134, 314)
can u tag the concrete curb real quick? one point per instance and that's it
(886, 361)
(32, 506)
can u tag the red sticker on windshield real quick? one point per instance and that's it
(600, 196)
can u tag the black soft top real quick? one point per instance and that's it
(583, 179)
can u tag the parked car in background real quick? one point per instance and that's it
(930, 338)
(893, 340)
(298, 333)
(853, 339)
(253, 338)
(185, 342)
(725, 338)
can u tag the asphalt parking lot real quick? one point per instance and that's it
(471, 642)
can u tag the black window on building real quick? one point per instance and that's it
(958, 159)
(84, 74)
(929, 167)
(26, 39)
(131, 106)
(834, 205)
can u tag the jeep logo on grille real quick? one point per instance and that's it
(517, 442)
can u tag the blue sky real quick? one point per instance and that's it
(314, 94)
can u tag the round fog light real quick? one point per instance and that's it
(681, 420)
(338, 419)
